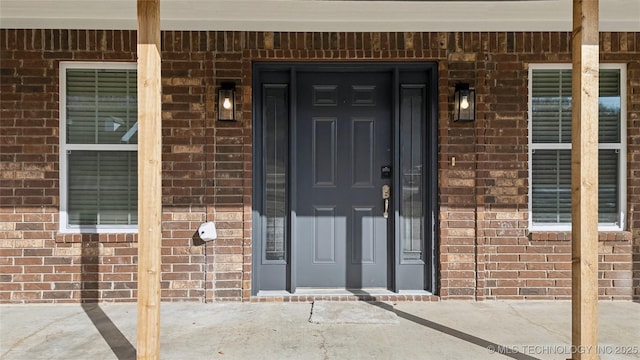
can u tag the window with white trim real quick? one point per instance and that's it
(98, 147)
(550, 147)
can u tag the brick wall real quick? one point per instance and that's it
(485, 250)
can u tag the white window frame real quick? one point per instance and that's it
(64, 148)
(622, 148)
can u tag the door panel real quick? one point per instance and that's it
(363, 231)
(362, 140)
(343, 140)
(324, 235)
(323, 149)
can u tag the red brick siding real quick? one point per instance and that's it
(633, 153)
(485, 251)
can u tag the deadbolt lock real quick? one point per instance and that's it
(386, 191)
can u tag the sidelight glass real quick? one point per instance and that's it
(412, 172)
(276, 148)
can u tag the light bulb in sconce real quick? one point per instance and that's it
(227, 103)
(464, 104)
(464, 99)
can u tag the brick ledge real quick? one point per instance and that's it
(566, 236)
(95, 237)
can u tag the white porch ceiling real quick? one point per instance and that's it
(318, 15)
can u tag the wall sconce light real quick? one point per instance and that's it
(227, 101)
(464, 103)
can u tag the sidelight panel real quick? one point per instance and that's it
(276, 149)
(411, 173)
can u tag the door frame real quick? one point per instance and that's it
(280, 275)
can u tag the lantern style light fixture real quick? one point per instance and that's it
(227, 101)
(464, 103)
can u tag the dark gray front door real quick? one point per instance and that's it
(343, 137)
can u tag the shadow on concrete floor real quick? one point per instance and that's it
(485, 344)
(118, 343)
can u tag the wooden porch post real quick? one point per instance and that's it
(584, 180)
(149, 179)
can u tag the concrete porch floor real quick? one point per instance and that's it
(413, 330)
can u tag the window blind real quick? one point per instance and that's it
(101, 111)
(101, 106)
(551, 106)
(551, 145)
(103, 188)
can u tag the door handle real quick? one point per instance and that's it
(386, 194)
